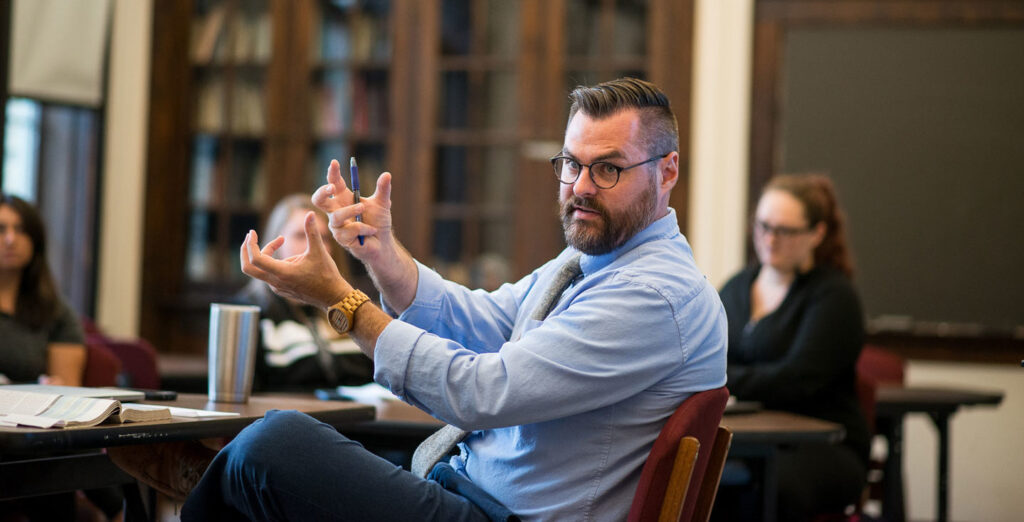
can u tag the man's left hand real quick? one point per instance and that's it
(310, 277)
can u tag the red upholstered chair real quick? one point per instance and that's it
(875, 366)
(138, 359)
(138, 368)
(687, 442)
(101, 366)
(880, 365)
(867, 390)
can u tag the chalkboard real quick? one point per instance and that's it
(922, 130)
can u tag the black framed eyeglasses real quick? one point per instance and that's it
(604, 175)
(762, 229)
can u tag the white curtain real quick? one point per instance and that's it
(58, 50)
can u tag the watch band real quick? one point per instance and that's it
(341, 315)
(352, 301)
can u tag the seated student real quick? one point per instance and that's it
(795, 332)
(563, 398)
(42, 338)
(44, 341)
(298, 350)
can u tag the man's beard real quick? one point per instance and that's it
(596, 237)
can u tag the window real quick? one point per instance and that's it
(21, 148)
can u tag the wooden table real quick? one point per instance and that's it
(46, 461)
(939, 403)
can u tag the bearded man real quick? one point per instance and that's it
(559, 382)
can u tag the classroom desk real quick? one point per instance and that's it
(760, 435)
(756, 435)
(46, 461)
(939, 403)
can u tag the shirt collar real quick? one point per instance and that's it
(663, 228)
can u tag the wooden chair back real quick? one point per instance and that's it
(697, 418)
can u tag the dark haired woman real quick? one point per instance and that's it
(795, 332)
(41, 337)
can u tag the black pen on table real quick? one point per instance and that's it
(354, 172)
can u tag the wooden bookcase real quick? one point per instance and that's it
(462, 100)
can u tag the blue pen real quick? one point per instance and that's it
(354, 172)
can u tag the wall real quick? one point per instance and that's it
(986, 456)
(121, 219)
(719, 137)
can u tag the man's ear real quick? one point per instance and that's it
(669, 169)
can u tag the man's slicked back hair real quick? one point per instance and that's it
(660, 130)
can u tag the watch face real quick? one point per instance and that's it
(338, 320)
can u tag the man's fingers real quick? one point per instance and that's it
(343, 216)
(246, 255)
(322, 198)
(314, 245)
(250, 247)
(272, 246)
(383, 192)
(348, 236)
(260, 263)
(334, 174)
(326, 196)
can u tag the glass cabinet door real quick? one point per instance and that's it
(608, 41)
(476, 146)
(230, 51)
(351, 56)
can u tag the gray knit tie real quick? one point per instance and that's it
(441, 443)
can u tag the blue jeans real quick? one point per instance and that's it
(289, 466)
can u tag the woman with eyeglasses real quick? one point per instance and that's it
(795, 333)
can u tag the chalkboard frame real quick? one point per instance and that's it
(772, 20)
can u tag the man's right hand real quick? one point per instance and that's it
(336, 200)
(390, 265)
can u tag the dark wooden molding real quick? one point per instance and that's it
(888, 12)
(974, 349)
(167, 169)
(670, 62)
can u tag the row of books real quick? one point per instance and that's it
(352, 34)
(203, 260)
(245, 37)
(348, 101)
(246, 184)
(343, 101)
(247, 110)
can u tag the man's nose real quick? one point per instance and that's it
(584, 185)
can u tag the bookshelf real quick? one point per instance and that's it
(463, 101)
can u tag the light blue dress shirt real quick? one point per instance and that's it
(565, 410)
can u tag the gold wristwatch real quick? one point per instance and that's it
(341, 314)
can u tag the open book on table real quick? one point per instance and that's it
(52, 410)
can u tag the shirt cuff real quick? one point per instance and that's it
(392, 354)
(395, 345)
